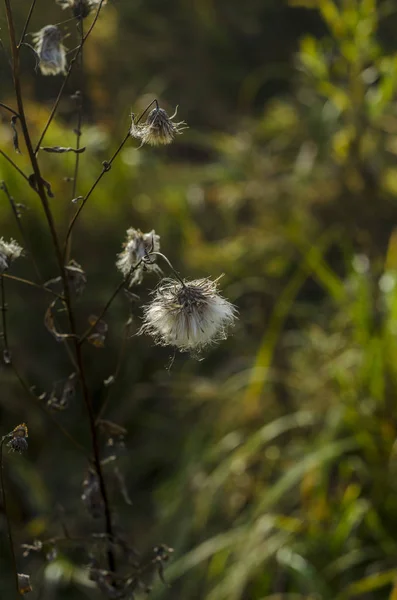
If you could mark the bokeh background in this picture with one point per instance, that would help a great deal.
(269, 465)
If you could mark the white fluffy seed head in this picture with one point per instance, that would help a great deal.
(81, 8)
(9, 251)
(50, 50)
(136, 247)
(159, 129)
(188, 316)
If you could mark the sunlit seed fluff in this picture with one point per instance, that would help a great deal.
(188, 316)
(50, 50)
(81, 8)
(9, 251)
(159, 128)
(137, 247)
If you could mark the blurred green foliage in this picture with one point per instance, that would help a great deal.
(270, 466)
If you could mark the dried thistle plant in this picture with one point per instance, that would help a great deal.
(189, 315)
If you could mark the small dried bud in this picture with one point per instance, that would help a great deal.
(81, 8)
(50, 50)
(91, 495)
(18, 442)
(76, 277)
(188, 315)
(159, 128)
(136, 248)
(24, 583)
(9, 251)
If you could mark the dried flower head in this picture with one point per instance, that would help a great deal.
(50, 50)
(159, 128)
(81, 8)
(188, 315)
(18, 442)
(137, 246)
(24, 583)
(9, 251)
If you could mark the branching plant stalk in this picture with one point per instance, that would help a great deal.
(14, 165)
(21, 228)
(9, 530)
(69, 71)
(59, 256)
(106, 167)
(25, 28)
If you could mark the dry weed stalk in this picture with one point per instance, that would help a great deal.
(185, 315)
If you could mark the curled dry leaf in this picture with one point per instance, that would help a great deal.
(62, 149)
(50, 324)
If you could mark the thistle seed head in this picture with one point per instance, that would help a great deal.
(159, 128)
(188, 315)
(9, 251)
(50, 50)
(137, 246)
(80, 8)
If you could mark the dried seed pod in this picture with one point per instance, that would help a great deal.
(24, 583)
(18, 442)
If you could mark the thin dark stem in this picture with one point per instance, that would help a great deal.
(4, 317)
(33, 284)
(11, 110)
(25, 239)
(14, 165)
(60, 94)
(102, 313)
(120, 357)
(79, 100)
(59, 256)
(170, 266)
(105, 169)
(25, 28)
(97, 460)
(48, 412)
(79, 115)
(9, 530)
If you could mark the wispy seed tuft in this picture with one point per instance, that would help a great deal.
(50, 50)
(136, 248)
(159, 129)
(189, 315)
